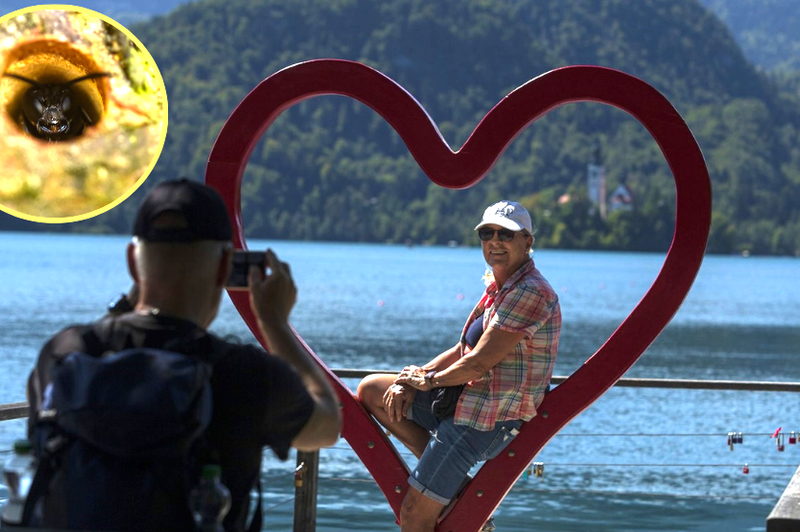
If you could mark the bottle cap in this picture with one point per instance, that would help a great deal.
(211, 471)
(22, 447)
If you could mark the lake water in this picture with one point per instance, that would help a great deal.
(638, 459)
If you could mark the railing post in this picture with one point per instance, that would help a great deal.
(306, 478)
(785, 517)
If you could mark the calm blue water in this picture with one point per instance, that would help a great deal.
(638, 459)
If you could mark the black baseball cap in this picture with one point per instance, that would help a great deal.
(201, 206)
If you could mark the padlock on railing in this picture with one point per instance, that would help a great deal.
(746, 469)
(538, 469)
(792, 438)
(735, 438)
(298, 475)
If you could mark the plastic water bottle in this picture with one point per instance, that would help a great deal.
(18, 472)
(210, 500)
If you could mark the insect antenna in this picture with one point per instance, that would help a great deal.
(88, 76)
(22, 78)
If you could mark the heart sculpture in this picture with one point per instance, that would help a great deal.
(464, 168)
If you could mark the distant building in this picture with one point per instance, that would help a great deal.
(620, 199)
(596, 183)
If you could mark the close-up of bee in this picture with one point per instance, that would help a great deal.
(83, 113)
(53, 111)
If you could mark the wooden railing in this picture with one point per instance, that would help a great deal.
(13, 411)
(785, 517)
(20, 410)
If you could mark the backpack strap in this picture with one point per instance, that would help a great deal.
(48, 465)
(103, 336)
(107, 335)
(256, 521)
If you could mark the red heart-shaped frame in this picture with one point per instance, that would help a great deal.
(252, 117)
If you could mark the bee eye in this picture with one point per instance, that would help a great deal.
(36, 101)
(66, 103)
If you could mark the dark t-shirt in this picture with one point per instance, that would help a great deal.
(258, 399)
(474, 332)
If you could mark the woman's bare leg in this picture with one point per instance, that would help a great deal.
(371, 391)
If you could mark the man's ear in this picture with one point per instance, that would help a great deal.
(225, 266)
(131, 257)
(530, 244)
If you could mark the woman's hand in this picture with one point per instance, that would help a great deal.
(396, 401)
(415, 377)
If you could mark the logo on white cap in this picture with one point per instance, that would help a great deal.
(504, 209)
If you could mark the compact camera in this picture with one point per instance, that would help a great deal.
(242, 260)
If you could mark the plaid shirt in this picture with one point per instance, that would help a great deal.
(515, 387)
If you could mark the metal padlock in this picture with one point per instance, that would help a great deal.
(746, 469)
(779, 442)
(730, 440)
(792, 438)
(739, 438)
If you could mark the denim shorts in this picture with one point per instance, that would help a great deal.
(452, 450)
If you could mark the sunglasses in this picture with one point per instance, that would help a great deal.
(487, 233)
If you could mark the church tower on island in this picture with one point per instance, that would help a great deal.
(596, 183)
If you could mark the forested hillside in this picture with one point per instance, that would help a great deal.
(767, 30)
(330, 169)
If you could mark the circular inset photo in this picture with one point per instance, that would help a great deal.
(83, 113)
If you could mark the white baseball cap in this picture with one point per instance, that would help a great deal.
(508, 214)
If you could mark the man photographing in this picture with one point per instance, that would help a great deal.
(180, 259)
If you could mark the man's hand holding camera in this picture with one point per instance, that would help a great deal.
(272, 290)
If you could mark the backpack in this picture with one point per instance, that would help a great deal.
(120, 439)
